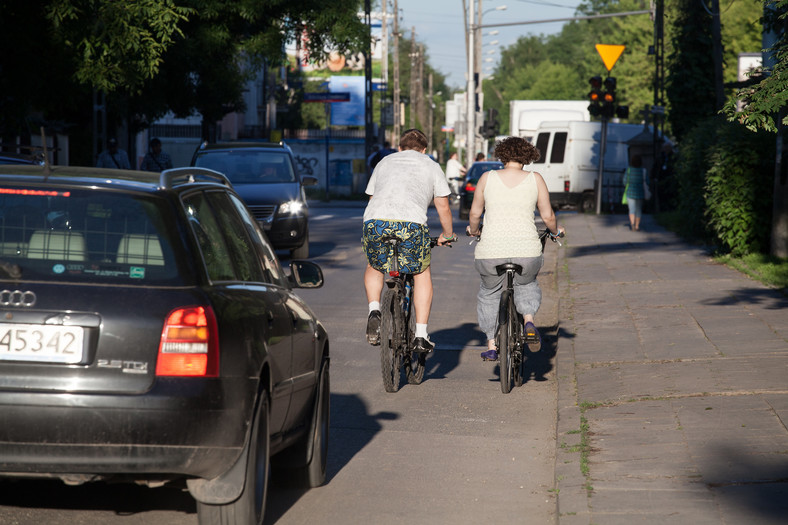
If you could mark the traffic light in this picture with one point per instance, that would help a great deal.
(609, 98)
(595, 96)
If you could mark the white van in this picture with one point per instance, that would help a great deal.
(569, 162)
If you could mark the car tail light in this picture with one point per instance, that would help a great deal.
(470, 186)
(189, 344)
(566, 185)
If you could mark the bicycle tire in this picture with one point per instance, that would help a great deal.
(518, 360)
(413, 362)
(504, 346)
(389, 342)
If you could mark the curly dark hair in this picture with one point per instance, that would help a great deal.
(516, 149)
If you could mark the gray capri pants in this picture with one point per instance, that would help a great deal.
(527, 294)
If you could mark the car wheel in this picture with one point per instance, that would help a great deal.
(303, 465)
(302, 252)
(249, 508)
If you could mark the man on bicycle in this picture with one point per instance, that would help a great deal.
(401, 188)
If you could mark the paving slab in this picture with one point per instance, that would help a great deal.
(675, 370)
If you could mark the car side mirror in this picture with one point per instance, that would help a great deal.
(308, 180)
(305, 274)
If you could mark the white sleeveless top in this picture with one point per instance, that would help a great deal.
(509, 229)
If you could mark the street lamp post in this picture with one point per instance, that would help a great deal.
(474, 69)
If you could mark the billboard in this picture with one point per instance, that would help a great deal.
(347, 113)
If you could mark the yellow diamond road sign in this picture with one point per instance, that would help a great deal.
(609, 54)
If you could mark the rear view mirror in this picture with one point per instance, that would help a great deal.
(306, 274)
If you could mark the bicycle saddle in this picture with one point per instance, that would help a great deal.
(502, 268)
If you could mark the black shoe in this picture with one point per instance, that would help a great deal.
(373, 328)
(422, 345)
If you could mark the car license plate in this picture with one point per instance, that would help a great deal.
(42, 343)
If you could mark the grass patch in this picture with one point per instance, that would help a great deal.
(772, 271)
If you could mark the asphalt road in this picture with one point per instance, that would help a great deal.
(452, 450)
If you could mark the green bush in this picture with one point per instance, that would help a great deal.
(738, 190)
(724, 173)
(690, 174)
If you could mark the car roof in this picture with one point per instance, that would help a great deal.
(110, 178)
(242, 145)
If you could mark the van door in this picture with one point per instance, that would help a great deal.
(552, 164)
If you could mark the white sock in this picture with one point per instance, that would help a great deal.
(421, 331)
(374, 305)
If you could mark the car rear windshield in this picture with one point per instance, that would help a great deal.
(79, 235)
(249, 167)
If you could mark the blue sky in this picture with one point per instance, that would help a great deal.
(439, 25)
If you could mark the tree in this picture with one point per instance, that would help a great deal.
(765, 106)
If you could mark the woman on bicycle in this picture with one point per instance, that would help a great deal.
(508, 199)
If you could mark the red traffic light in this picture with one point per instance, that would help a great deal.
(610, 84)
(596, 82)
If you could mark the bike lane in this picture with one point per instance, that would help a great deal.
(672, 382)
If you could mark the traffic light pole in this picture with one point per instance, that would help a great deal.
(602, 148)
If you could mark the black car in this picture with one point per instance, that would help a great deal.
(148, 333)
(472, 176)
(264, 175)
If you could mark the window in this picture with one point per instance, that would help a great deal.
(81, 235)
(271, 267)
(224, 241)
(541, 144)
(559, 148)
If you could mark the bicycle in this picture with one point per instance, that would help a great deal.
(509, 337)
(398, 325)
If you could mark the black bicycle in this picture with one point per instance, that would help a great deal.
(398, 325)
(509, 335)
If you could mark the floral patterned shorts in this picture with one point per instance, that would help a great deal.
(414, 248)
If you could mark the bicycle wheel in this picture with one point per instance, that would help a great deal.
(504, 342)
(413, 362)
(390, 342)
(518, 360)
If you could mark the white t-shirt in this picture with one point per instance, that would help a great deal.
(402, 187)
(453, 169)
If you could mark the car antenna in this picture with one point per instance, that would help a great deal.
(47, 169)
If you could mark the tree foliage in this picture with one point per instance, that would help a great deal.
(151, 56)
(763, 101)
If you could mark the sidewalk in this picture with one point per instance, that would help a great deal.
(673, 383)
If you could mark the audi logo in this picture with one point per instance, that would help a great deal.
(17, 298)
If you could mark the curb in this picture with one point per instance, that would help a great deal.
(572, 499)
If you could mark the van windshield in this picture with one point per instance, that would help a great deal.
(249, 167)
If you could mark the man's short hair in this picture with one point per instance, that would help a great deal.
(155, 142)
(413, 139)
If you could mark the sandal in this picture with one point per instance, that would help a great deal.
(490, 355)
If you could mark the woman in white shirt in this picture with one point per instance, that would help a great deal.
(508, 198)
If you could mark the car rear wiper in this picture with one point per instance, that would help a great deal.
(14, 271)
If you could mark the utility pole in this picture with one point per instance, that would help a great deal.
(368, 116)
(430, 110)
(413, 54)
(384, 69)
(470, 108)
(420, 87)
(395, 61)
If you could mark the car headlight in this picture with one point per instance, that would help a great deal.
(291, 208)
